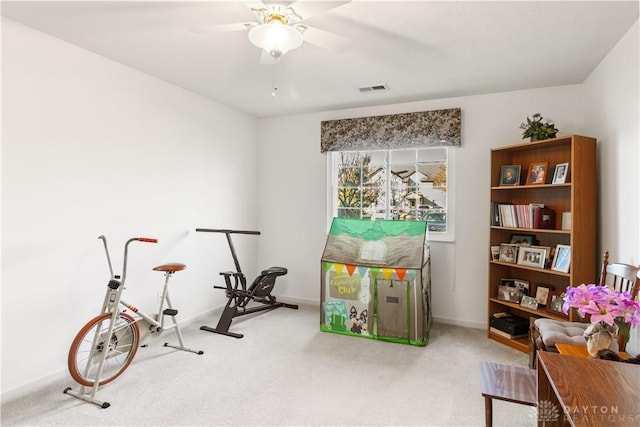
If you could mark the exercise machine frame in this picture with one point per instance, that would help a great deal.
(239, 296)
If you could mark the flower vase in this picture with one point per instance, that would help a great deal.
(600, 336)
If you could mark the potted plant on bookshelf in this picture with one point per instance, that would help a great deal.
(536, 129)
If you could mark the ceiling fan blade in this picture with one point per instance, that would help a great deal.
(310, 8)
(326, 40)
(219, 28)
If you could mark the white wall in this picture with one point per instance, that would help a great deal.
(613, 113)
(90, 147)
(294, 211)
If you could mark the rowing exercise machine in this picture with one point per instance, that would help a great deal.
(239, 296)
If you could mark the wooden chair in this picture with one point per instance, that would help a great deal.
(544, 334)
(621, 277)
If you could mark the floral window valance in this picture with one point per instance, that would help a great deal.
(409, 130)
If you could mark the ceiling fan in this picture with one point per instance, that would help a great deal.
(279, 27)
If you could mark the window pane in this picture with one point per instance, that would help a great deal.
(349, 197)
(349, 169)
(377, 158)
(432, 155)
(349, 177)
(433, 185)
(408, 185)
(349, 158)
(397, 157)
(349, 213)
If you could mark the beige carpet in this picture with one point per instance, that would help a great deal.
(285, 372)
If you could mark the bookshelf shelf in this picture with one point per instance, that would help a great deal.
(531, 230)
(525, 267)
(532, 187)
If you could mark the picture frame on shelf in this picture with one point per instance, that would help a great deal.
(537, 173)
(542, 294)
(531, 257)
(550, 256)
(560, 173)
(495, 253)
(523, 239)
(522, 286)
(508, 253)
(562, 259)
(547, 249)
(507, 291)
(555, 303)
(547, 254)
(509, 175)
(529, 302)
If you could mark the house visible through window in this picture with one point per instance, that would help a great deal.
(402, 185)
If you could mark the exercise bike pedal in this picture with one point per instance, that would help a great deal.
(170, 312)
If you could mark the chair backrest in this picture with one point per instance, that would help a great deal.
(621, 277)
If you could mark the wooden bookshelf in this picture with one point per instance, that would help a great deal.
(576, 195)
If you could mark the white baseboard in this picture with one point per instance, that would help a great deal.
(35, 385)
(457, 322)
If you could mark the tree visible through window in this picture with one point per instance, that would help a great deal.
(403, 185)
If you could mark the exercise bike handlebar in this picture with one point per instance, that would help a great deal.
(146, 239)
(227, 231)
(126, 250)
(228, 234)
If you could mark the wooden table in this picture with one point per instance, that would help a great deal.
(581, 350)
(587, 392)
(503, 382)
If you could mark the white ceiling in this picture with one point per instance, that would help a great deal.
(419, 49)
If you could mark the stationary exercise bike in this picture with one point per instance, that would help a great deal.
(239, 296)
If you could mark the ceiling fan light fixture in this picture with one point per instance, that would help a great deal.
(275, 38)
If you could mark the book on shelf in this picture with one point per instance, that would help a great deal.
(505, 334)
(521, 216)
(495, 213)
(533, 207)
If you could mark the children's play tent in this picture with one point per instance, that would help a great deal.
(376, 280)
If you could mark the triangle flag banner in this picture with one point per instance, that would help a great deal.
(362, 270)
(327, 266)
(338, 268)
(350, 269)
(374, 271)
(400, 272)
(386, 273)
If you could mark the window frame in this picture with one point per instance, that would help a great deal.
(332, 186)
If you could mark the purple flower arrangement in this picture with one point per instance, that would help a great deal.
(604, 305)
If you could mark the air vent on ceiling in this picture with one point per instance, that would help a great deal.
(373, 88)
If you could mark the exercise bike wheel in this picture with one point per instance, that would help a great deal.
(91, 342)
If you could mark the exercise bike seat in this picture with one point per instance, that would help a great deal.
(275, 271)
(170, 268)
(264, 283)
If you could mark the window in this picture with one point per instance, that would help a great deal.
(403, 185)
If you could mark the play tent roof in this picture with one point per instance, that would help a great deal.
(394, 244)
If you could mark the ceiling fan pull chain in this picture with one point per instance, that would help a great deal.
(273, 80)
